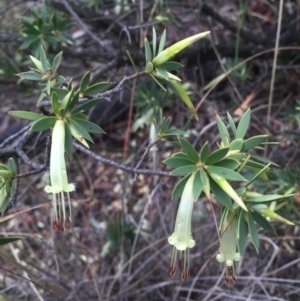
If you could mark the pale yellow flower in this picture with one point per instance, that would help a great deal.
(182, 239)
(59, 179)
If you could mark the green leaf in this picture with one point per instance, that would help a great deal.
(223, 131)
(68, 141)
(171, 66)
(149, 67)
(267, 198)
(12, 165)
(148, 53)
(236, 144)
(159, 82)
(48, 87)
(261, 173)
(30, 75)
(7, 240)
(263, 222)
(161, 74)
(43, 58)
(41, 97)
(242, 232)
(262, 159)
(89, 126)
(74, 101)
(178, 189)
(43, 124)
(86, 106)
(181, 155)
(177, 162)
(271, 214)
(217, 156)
(204, 152)
(253, 231)
(62, 112)
(26, 115)
(5, 174)
(79, 116)
(253, 142)
(162, 42)
(232, 124)
(243, 125)
(37, 63)
(61, 93)
(154, 40)
(183, 170)
(54, 103)
(183, 95)
(165, 124)
(203, 177)
(85, 81)
(56, 62)
(97, 88)
(169, 52)
(221, 196)
(253, 164)
(80, 129)
(189, 149)
(60, 80)
(197, 186)
(228, 189)
(66, 101)
(44, 11)
(225, 173)
(228, 163)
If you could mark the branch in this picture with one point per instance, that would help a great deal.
(108, 93)
(119, 165)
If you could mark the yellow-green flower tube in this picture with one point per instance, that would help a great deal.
(228, 253)
(181, 238)
(58, 176)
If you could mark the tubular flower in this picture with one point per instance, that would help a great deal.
(182, 239)
(228, 253)
(59, 178)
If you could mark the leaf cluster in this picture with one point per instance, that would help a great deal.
(45, 28)
(159, 66)
(215, 171)
(64, 102)
(7, 174)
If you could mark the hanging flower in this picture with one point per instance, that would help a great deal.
(59, 179)
(228, 253)
(182, 239)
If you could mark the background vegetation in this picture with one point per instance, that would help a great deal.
(117, 248)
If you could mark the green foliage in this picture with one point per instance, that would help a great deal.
(217, 169)
(45, 73)
(68, 108)
(7, 174)
(159, 66)
(45, 28)
(114, 239)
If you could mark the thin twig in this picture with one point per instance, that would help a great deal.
(119, 165)
(275, 62)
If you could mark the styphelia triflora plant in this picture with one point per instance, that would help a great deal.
(206, 173)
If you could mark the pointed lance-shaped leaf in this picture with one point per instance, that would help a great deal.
(228, 189)
(169, 52)
(184, 96)
(26, 115)
(56, 62)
